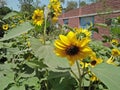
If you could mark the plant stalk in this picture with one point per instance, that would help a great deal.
(44, 34)
(80, 76)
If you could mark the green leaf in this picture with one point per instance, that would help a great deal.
(6, 77)
(20, 29)
(47, 52)
(11, 14)
(115, 29)
(36, 64)
(109, 75)
(32, 81)
(63, 83)
(101, 25)
(58, 74)
(7, 66)
(17, 88)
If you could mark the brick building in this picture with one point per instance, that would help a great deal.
(96, 13)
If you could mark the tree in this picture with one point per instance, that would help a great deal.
(94, 1)
(82, 3)
(71, 5)
(36, 3)
(63, 1)
(26, 5)
(4, 10)
(2, 3)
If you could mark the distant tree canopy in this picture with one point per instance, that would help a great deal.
(4, 10)
(2, 3)
(82, 3)
(63, 1)
(26, 5)
(71, 5)
(94, 1)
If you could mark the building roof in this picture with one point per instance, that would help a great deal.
(93, 9)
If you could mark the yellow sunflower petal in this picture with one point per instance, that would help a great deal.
(70, 34)
(85, 41)
(59, 47)
(71, 60)
(60, 53)
(64, 39)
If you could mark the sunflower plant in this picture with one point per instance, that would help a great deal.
(36, 53)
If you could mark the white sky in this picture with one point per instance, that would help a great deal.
(14, 4)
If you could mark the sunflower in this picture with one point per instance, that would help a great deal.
(95, 61)
(38, 17)
(55, 7)
(115, 52)
(83, 32)
(114, 42)
(84, 64)
(110, 60)
(54, 19)
(93, 78)
(5, 27)
(72, 48)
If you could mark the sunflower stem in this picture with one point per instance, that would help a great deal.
(80, 76)
(74, 75)
(44, 34)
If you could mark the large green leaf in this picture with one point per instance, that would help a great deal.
(11, 14)
(36, 64)
(63, 83)
(32, 81)
(6, 77)
(109, 75)
(46, 52)
(20, 29)
(17, 88)
(58, 74)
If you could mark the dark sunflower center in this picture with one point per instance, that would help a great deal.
(72, 50)
(93, 62)
(37, 17)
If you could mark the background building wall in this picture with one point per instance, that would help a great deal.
(95, 9)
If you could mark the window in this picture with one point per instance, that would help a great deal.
(85, 21)
(65, 21)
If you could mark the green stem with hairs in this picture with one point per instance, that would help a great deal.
(80, 76)
(44, 34)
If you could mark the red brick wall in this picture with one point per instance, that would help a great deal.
(74, 22)
(103, 31)
(73, 15)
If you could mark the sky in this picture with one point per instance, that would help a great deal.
(14, 4)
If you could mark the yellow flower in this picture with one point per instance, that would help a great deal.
(93, 78)
(95, 61)
(21, 21)
(72, 48)
(115, 52)
(5, 27)
(53, 0)
(55, 7)
(38, 17)
(28, 44)
(54, 19)
(84, 64)
(13, 25)
(111, 60)
(114, 42)
(83, 32)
